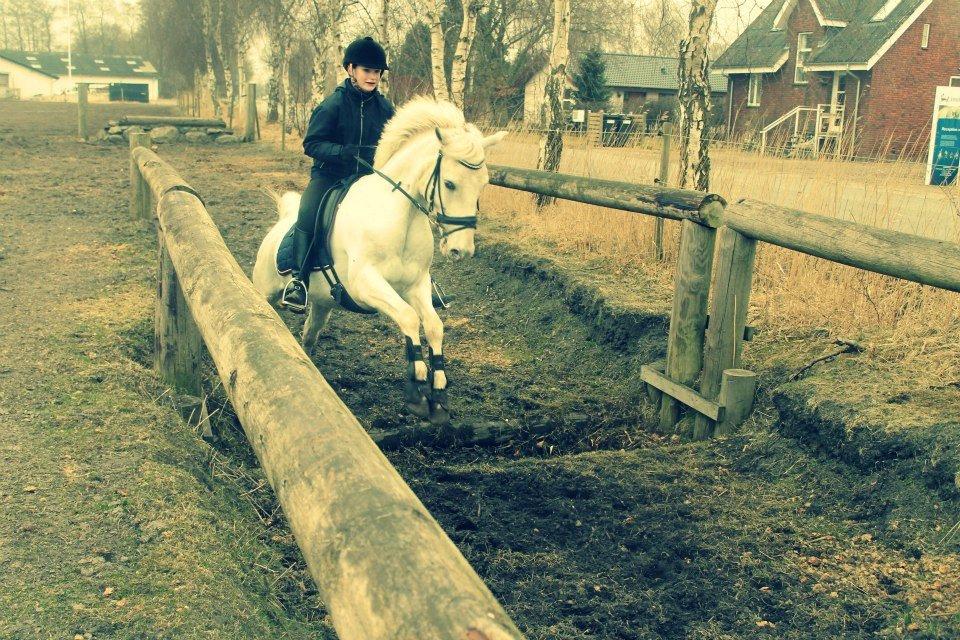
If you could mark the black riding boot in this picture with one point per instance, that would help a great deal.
(294, 295)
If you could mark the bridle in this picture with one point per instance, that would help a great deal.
(432, 196)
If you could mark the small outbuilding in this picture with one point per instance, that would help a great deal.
(30, 74)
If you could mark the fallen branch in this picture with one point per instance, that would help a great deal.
(846, 346)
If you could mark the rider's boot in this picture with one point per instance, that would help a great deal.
(440, 299)
(294, 297)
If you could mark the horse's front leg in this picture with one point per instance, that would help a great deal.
(370, 288)
(420, 298)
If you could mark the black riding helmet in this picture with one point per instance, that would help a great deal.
(365, 52)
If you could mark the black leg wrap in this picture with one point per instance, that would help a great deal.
(413, 389)
(439, 403)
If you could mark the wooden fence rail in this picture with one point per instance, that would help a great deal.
(708, 346)
(384, 566)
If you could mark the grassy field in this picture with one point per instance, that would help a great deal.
(121, 523)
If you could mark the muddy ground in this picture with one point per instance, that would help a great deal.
(119, 522)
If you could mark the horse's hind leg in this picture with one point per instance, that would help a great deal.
(317, 314)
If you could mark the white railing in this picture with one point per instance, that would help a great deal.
(793, 113)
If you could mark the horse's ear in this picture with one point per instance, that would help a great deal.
(439, 137)
(494, 139)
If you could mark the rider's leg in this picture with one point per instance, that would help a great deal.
(295, 293)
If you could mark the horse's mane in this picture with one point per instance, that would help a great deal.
(420, 114)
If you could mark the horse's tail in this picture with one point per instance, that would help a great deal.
(288, 203)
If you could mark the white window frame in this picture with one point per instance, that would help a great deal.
(925, 38)
(799, 73)
(754, 89)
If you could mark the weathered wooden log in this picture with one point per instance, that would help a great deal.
(655, 200)
(173, 121)
(689, 316)
(176, 339)
(738, 389)
(82, 108)
(159, 175)
(732, 280)
(902, 255)
(681, 392)
(384, 566)
(140, 196)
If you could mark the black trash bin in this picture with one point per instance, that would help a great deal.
(617, 128)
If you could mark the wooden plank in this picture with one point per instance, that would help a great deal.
(173, 121)
(902, 255)
(682, 393)
(655, 200)
(733, 278)
(384, 567)
(689, 316)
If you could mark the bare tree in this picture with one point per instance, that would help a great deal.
(660, 28)
(694, 98)
(458, 70)
(437, 49)
(551, 144)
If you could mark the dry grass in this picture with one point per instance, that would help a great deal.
(908, 324)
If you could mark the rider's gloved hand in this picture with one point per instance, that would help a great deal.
(349, 152)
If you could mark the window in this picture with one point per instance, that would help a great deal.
(803, 52)
(753, 90)
(925, 40)
(955, 81)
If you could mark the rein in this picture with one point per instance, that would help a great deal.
(436, 195)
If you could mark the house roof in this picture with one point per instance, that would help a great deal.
(857, 45)
(629, 71)
(54, 64)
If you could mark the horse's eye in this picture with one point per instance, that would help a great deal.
(449, 185)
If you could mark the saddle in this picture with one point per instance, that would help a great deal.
(320, 254)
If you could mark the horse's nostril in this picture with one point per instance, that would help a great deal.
(455, 253)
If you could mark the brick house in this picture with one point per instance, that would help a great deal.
(850, 76)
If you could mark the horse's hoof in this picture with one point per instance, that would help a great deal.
(420, 409)
(439, 415)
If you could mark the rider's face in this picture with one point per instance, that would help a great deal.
(364, 78)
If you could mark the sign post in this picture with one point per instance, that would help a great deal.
(944, 158)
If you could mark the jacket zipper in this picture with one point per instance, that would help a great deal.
(360, 142)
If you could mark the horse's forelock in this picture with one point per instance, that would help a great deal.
(464, 143)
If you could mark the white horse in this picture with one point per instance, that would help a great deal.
(382, 241)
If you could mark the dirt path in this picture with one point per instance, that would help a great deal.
(600, 530)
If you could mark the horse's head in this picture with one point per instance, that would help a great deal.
(459, 177)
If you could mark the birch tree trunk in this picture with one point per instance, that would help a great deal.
(458, 71)
(551, 144)
(335, 72)
(275, 85)
(694, 98)
(434, 11)
(385, 41)
(209, 50)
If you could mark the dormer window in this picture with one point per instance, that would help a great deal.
(885, 10)
(803, 52)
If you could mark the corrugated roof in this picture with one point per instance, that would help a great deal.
(855, 44)
(630, 71)
(55, 64)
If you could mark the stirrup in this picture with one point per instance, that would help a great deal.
(440, 299)
(294, 285)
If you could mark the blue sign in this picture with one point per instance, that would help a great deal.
(944, 159)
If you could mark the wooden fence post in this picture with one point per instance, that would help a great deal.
(728, 317)
(177, 342)
(737, 390)
(140, 196)
(689, 316)
(663, 180)
(82, 89)
(250, 130)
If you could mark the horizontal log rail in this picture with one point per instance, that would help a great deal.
(384, 567)
(173, 121)
(654, 200)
